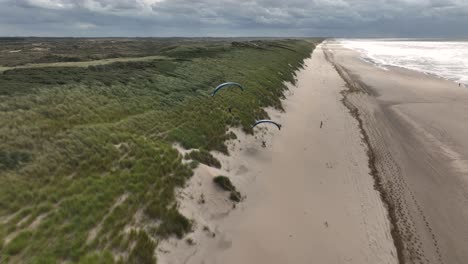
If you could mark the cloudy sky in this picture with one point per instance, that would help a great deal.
(338, 18)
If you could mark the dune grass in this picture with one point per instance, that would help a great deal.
(75, 140)
(22, 51)
(225, 184)
(203, 156)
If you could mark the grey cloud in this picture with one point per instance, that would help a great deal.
(347, 18)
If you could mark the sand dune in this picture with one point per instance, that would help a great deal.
(310, 197)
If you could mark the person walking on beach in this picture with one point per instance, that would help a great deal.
(321, 124)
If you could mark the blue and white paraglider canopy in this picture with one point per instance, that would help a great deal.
(224, 85)
(268, 122)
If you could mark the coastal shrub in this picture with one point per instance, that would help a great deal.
(155, 210)
(143, 252)
(98, 258)
(174, 224)
(235, 196)
(11, 160)
(60, 50)
(194, 164)
(18, 243)
(225, 183)
(204, 157)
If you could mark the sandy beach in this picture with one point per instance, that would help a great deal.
(310, 197)
(234, 132)
(384, 180)
(416, 127)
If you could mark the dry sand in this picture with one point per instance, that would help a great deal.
(310, 197)
(417, 127)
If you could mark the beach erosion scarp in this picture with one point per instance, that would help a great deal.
(308, 196)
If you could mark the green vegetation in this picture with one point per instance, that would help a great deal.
(21, 51)
(18, 243)
(13, 159)
(83, 63)
(235, 196)
(204, 157)
(87, 164)
(143, 252)
(97, 258)
(224, 183)
(174, 223)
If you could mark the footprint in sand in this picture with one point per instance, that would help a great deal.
(242, 169)
(224, 243)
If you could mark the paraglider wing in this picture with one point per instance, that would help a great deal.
(267, 121)
(224, 85)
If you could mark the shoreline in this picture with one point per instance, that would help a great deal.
(404, 112)
(326, 200)
(353, 86)
(389, 66)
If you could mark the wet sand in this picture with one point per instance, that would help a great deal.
(310, 195)
(417, 127)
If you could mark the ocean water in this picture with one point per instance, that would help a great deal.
(446, 59)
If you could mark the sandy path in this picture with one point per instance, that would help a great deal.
(310, 198)
(417, 127)
(83, 63)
